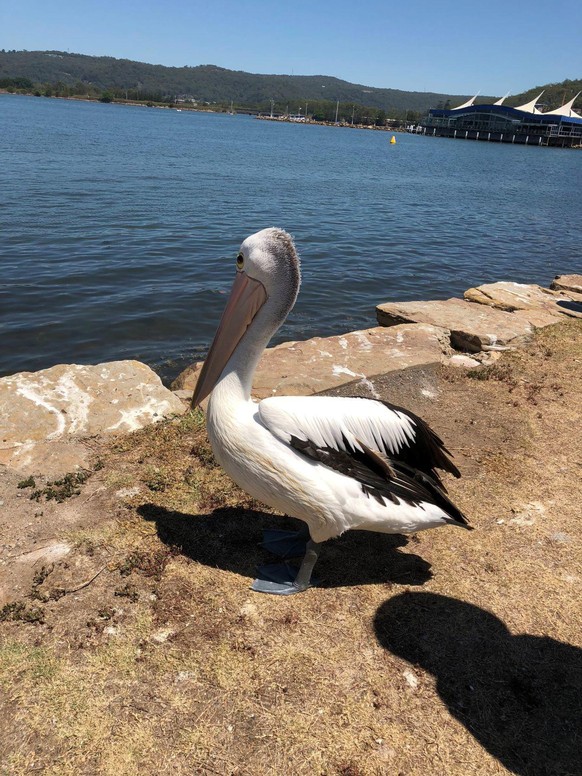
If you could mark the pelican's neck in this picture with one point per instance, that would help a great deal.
(236, 381)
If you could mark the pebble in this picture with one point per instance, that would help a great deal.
(183, 676)
(464, 361)
(411, 679)
(162, 635)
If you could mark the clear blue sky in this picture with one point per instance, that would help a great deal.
(423, 45)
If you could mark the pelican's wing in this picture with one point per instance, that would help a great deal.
(369, 441)
(385, 479)
(348, 424)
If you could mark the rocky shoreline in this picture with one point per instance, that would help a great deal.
(51, 415)
(465, 332)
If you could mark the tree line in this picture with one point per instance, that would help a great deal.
(315, 110)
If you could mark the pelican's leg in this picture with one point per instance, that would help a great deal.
(282, 579)
(303, 578)
(286, 544)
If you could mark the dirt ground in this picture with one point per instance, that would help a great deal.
(130, 642)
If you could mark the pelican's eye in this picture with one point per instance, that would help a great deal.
(240, 261)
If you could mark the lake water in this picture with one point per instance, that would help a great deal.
(119, 225)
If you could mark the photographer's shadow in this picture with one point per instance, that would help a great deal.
(520, 696)
(229, 538)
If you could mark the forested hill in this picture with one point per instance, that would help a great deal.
(554, 95)
(206, 83)
(82, 74)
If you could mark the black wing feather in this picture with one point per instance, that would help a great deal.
(382, 477)
(427, 452)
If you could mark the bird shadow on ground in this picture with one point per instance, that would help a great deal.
(519, 696)
(229, 538)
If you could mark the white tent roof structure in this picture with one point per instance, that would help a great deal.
(566, 109)
(530, 107)
(467, 104)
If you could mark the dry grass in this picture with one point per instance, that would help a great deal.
(447, 653)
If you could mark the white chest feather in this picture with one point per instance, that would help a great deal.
(266, 468)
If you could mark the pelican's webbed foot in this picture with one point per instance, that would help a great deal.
(286, 544)
(281, 579)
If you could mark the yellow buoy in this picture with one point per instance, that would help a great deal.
(393, 139)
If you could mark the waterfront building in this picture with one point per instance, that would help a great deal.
(525, 124)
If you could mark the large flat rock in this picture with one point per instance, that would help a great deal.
(310, 366)
(472, 327)
(510, 297)
(45, 414)
(567, 283)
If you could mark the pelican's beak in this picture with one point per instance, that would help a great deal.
(246, 299)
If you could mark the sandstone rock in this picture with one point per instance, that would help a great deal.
(66, 402)
(519, 296)
(488, 359)
(472, 327)
(302, 368)
(185, 397)
(466, 362)
(510, 296)
(567, 283)
(538, 318)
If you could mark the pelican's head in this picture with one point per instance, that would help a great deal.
(267, 281)
(269, 257)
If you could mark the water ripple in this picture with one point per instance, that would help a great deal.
(120, 225)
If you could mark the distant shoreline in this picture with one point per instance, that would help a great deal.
(191, 109)
(116, 101)
(288, 120)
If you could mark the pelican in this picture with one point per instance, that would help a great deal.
(335, 463)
